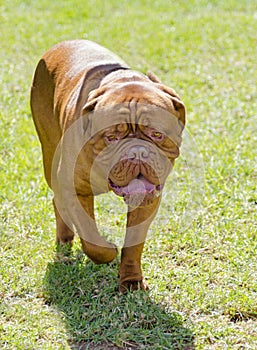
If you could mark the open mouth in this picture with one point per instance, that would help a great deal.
(137, 190)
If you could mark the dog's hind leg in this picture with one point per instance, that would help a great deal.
(42, 107)
(64, 234)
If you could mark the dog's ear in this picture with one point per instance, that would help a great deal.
(153, 77)
(176, 101)
(93, 97)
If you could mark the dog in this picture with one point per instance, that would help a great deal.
(104, 127)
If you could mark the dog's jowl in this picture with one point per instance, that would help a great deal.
(104, 127)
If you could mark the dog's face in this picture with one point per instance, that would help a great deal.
(135, 137)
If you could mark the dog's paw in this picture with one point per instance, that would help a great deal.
(130, 286)
(98, 254)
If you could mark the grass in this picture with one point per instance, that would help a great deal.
(200, 258)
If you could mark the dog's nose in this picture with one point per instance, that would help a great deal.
(138, 152)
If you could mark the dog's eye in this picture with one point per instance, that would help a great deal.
(157, 135)
(111, 138)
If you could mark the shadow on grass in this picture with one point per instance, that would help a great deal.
(98, 317)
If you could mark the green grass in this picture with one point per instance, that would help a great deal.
(200, 258)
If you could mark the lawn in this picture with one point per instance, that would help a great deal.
(200, 256)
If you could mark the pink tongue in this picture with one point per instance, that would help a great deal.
(140, 185)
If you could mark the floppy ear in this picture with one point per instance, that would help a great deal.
(93, 97)
(153, 77)
(177, 102)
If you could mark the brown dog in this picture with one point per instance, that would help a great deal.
(103, 126)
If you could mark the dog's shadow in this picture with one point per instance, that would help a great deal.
(97, 316)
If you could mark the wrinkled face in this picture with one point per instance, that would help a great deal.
(135, 145)
(141, 165)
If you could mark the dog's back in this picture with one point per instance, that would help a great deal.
(58, 85)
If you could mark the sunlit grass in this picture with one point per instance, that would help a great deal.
(200, 257)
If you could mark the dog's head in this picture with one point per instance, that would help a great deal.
(135, 131)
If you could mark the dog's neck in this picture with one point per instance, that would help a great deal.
(128, 75)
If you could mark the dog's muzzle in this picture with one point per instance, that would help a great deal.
(139, 190)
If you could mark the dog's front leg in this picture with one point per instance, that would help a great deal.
(94, 246)
(138, 222)
(79, 213)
